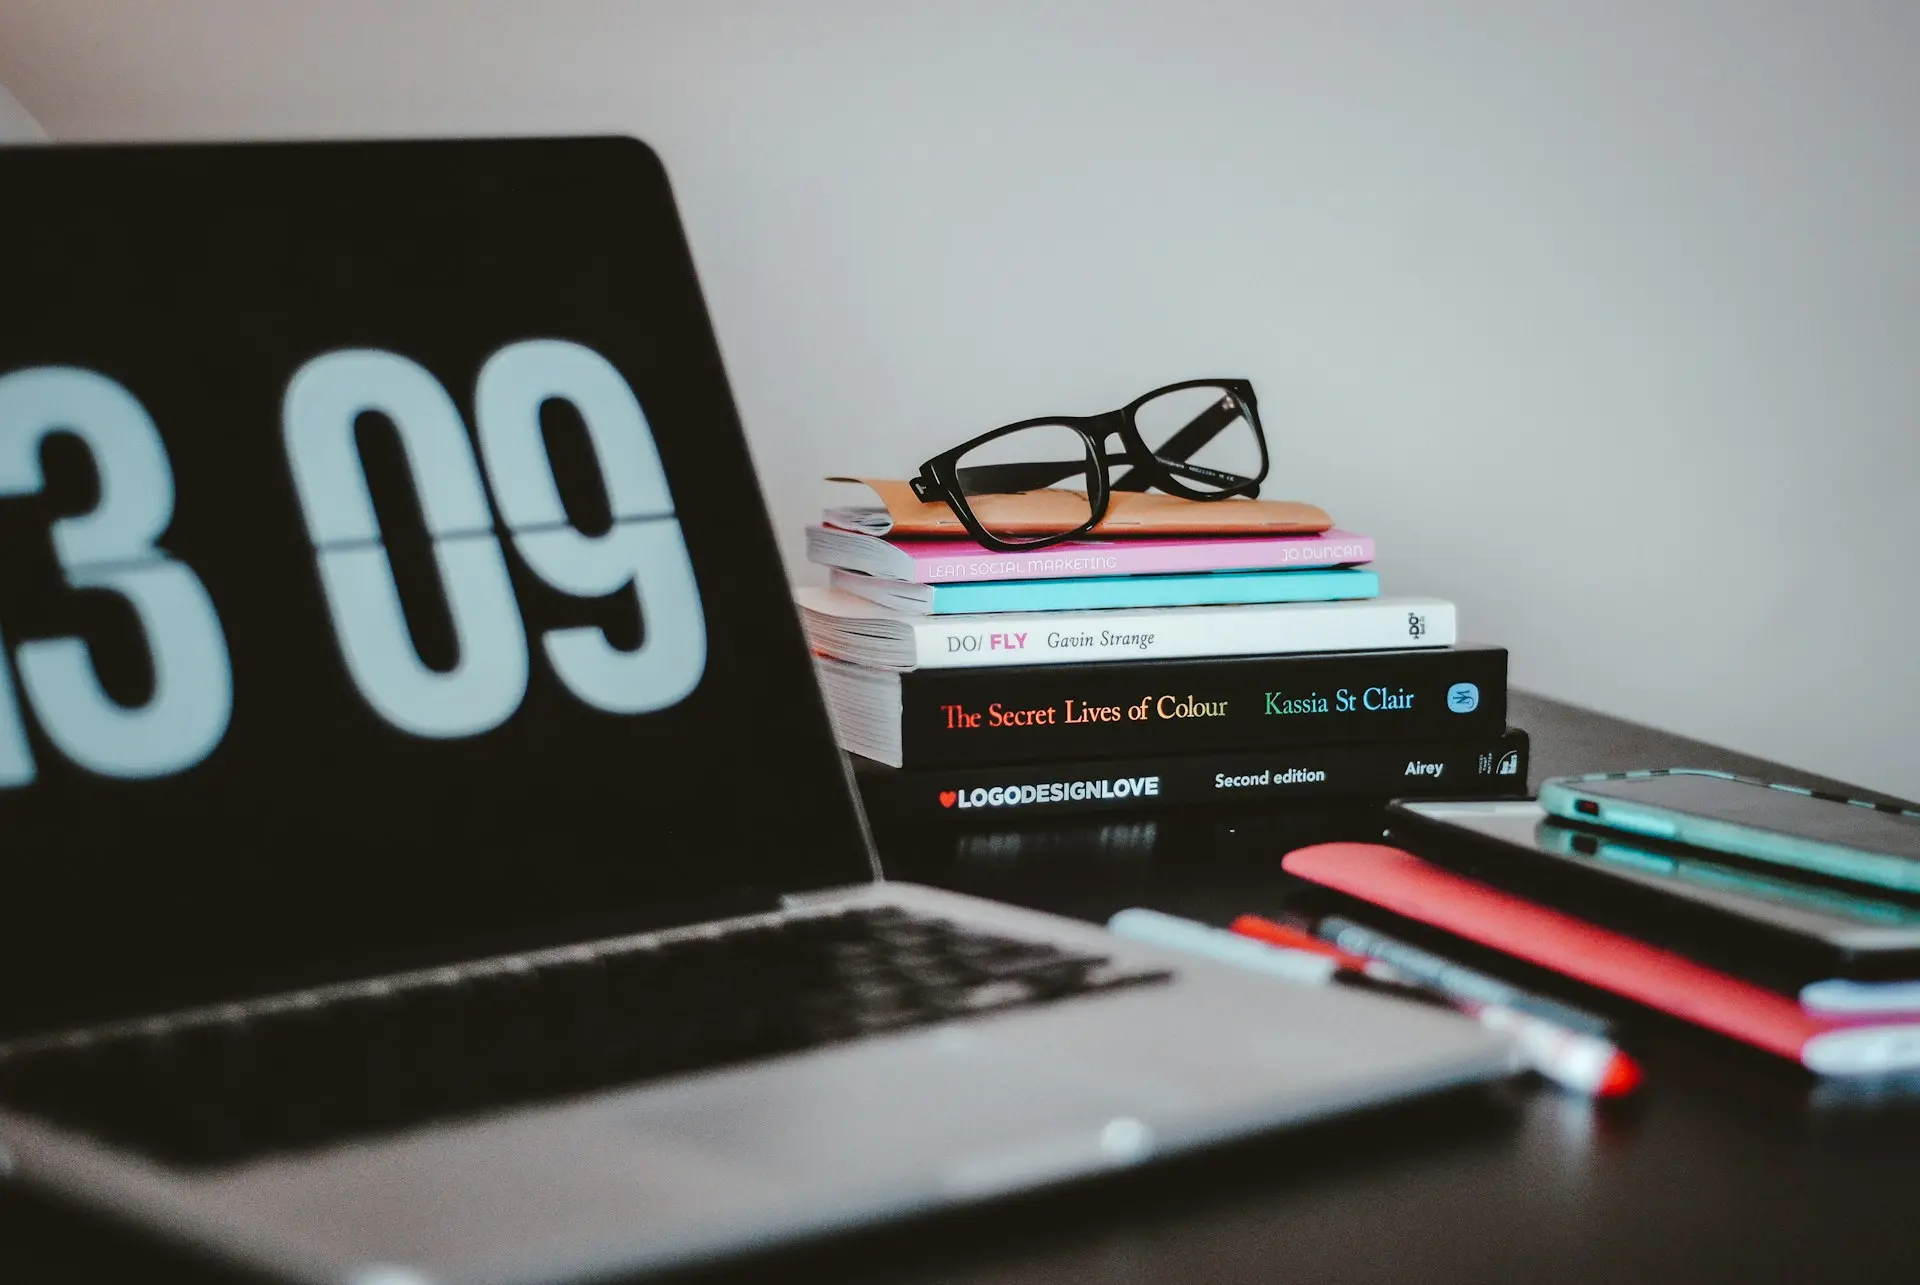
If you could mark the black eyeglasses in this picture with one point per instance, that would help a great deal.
(1200, 440)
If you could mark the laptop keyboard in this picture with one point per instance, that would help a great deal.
(298, 1072)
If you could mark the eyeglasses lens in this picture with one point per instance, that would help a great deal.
(1203, 435)
(1052, 460)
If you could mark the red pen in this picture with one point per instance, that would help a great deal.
(1276, 934)
(1576, 1060)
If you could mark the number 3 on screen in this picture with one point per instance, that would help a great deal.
(113, 547)
(644, 549)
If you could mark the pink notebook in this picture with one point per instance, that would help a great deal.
(954, 561)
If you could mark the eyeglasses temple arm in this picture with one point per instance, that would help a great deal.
(995, 479)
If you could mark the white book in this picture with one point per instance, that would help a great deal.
(848, 628)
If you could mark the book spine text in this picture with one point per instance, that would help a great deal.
(1080, 637)
(1492, 767)
(1121, 558)
(951, 717)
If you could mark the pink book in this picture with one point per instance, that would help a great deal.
(953, 561)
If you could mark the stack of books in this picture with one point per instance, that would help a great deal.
(1143, 672)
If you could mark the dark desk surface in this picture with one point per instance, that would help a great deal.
(1730, 1166)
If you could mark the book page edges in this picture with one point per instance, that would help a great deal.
(1128, 513)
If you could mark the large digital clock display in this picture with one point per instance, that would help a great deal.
(382, 573)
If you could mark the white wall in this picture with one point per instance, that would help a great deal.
(16, 125)
(1603, 317)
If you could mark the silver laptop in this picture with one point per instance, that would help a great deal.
(425, 854)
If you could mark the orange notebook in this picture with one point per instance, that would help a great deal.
(900, 512)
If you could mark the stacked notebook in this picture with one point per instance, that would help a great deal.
(1166, 667)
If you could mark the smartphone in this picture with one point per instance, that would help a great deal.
(1786, 825)
(1790, 933)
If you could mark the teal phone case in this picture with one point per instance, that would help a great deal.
(1560, 795)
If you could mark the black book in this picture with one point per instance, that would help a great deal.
(949, 717)
(1850, 945)
(1493, 766)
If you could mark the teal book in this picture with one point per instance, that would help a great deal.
(1099, 593)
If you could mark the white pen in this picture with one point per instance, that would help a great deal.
(1573, 1059)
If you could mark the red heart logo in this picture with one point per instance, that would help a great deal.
(948, 798)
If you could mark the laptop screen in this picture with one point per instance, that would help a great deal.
(383, 576)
